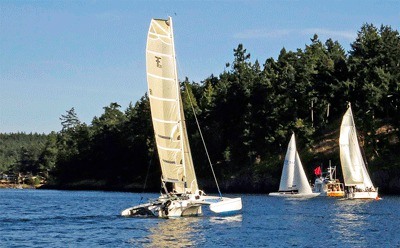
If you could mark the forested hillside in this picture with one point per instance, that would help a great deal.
(247, 114)
(22, 152)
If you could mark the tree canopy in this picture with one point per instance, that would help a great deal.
(247, 114)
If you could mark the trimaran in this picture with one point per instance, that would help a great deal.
(180, 195)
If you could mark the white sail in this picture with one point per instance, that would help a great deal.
(166, 108)
(300, 178)
(354, 170)
(294, 181)
(293, 176)
(286, 183)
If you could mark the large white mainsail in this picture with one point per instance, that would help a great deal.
(354, 170)
(166, 108)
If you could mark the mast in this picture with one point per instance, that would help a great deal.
(178, 93)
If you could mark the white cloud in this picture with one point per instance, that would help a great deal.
(321, 32)
(260, 33)
(334, 34)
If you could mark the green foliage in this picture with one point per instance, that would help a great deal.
(246, 114)
(19, 152)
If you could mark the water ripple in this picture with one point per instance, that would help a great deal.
(91, 219)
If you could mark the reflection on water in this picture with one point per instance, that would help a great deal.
(41, 218)
(226, 219)
(180, 232)
(350, 222)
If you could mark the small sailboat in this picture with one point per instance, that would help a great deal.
(294, 181)
(181, 195)
(327, 184)
(355, 174)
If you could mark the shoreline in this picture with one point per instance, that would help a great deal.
(117, 189)
(17, 186)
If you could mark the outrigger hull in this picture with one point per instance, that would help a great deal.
(189, 206)
(226, 205)
(143, 210)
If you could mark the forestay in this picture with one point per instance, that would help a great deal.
(166, 108)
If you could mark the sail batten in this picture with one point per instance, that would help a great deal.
(165, 121)
(160, 37)
(160, 54)
(159, 77)
(156, 22)
(163, 99)
(168, 149)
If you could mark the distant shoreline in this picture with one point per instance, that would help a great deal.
(120, 189)
(17, 186)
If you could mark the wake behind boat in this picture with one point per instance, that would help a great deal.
(355, 174)
(181, 195)
(294, 181)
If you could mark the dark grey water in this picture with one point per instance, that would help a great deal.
(50, 218)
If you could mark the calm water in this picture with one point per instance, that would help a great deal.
(49, 218)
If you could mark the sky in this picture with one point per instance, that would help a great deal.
(55, 55)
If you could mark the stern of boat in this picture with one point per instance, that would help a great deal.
(364, 195)
(336, 194)
(179, 208)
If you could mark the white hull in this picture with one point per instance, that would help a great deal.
(148, 209)
(165, 209)
(188, 205)
(227, 205)
(363, 195)
(180, 208)
(294, 195)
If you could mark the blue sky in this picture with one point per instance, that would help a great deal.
(55, 55)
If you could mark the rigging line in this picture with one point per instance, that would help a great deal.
(198, 127)
(204, 143)
(148, 170)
